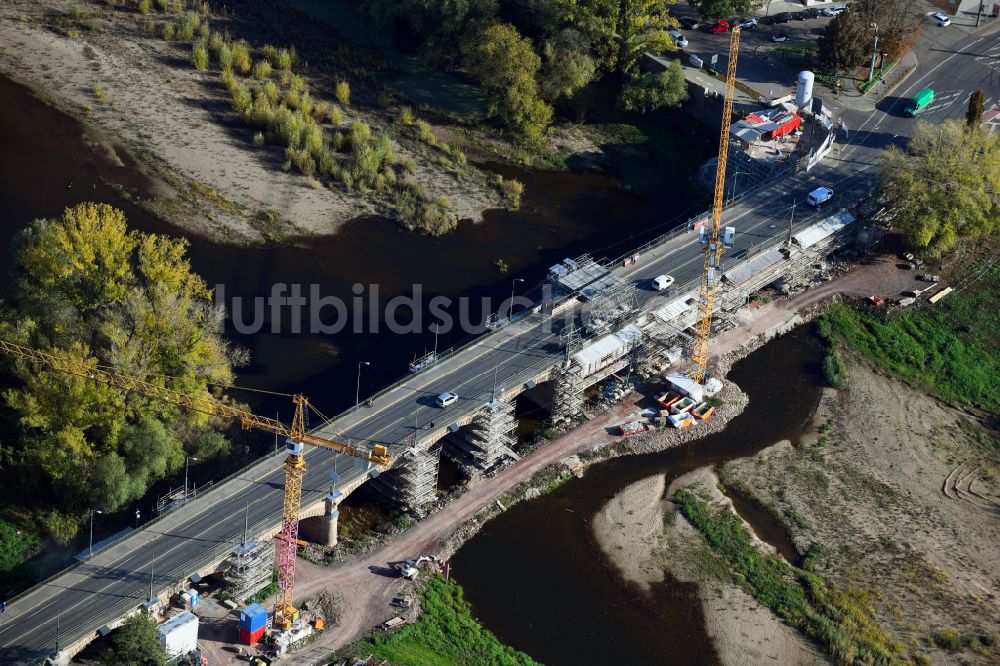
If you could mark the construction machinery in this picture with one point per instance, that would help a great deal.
(711, 275)
(295, 464)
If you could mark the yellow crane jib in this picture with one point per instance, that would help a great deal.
(711, 274)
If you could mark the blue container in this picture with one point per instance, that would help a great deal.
(253, 617)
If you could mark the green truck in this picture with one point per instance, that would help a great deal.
(919, 102)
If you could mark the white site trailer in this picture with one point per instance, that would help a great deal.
(179, 634)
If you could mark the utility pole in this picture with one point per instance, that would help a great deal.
(246, 522)
(437, 329)
(510, 308)
(151, 562)
(791, 220)
(277, 417)
(91, 549)
(871, 70)
(979, 14)
(357, 392)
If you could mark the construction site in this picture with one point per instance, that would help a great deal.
(610, 331)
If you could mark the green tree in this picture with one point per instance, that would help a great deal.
(945, 185)
(622, 30)
(719, 9)
(977, 100)
(15, 543)
(506, 65)
(135, 643)
(568, 65)
(844, 44)
(93, 292)
(655, 90)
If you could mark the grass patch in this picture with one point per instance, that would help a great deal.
(842, 621)
(446, 635)
(952, 349)
(267, 591)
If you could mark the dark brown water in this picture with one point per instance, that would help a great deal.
(48, 165)
(536, 578)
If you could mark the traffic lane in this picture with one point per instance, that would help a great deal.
(206, 530)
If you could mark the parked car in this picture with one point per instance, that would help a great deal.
(940, 18)
(719, 26)
(779, 37)
(689, 23)
(748, 23)
(446, 399)
(812, 12)
(783, 17)
(928, 277)
(819, 195)
(835, 10)
(679, 39)
(661, 282)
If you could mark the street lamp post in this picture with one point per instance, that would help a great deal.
(871, 70)
(90, 551)
(357, 391)
(510, 308)
(187, 460)
(137, 519)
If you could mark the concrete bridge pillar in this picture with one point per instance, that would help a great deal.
(323, 529)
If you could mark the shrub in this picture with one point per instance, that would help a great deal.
(326, 162)
(261, 70)
(100, 93)
(833, 369)
(228, 80)
(270, 90)
(225, 58)
(15, 545)
(188, 26)
(61, 527)
(145, 6)
(260, 113)
(169, 31)
(306, 104)
(216, 41)
(424, 132)
(312, 140)
(258, 139)
(241, 57)
(321, 111)
(161, 5)
(296, 83)
(301, 160)
(293, 99)
(360, 134)
(336, 115)
(406, 115)
(343, 92)
(241, 98)
(270, 53)
(199, 56)
(204, 31)
(512, 190)
(284, 60)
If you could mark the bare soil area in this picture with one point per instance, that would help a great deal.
(111, 68)
(903, 493)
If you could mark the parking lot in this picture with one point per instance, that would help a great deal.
(761, 65)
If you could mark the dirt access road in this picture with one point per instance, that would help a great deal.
(362, 586)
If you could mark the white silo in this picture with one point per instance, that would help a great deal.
(804, 90)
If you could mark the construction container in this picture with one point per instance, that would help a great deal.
(702, 410)
(683, 405)
(251, 637)
(253, 617)
(179, 634)
(682, 420)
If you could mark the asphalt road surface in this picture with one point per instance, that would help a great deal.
(82, 599)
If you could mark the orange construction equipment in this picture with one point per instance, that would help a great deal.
(295, 464)
(711, 274)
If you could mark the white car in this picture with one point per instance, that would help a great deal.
(748, 23)
(833, 11)
(661, 282)
(679, 39)
(819, 195)
(446, 399)
(939, 18)
(779, 37)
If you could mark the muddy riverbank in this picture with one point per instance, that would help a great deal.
(537, 578)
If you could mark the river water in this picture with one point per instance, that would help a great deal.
(536, 577)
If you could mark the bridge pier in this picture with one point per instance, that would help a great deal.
(491, 437)
(568, 399)
(414, 482)
(323, 529)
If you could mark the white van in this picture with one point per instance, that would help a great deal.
(819, 195)
(661, 282)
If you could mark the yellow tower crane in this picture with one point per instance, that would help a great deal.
(295, 463)
(711, 271)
